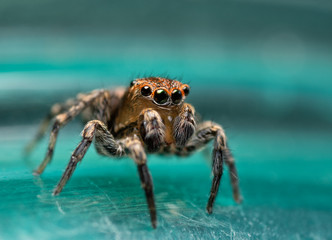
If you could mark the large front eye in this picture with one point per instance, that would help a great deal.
(146, 91)
(176, 96)
(161, 96)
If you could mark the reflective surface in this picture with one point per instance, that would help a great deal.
(286, 194)
(262, 69)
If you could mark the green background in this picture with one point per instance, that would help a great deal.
(262, 69)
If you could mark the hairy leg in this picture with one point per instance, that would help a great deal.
(229, 159)
(104, 107)
(204, 134)
(152, 129)
(135, 150)
(61, 120)
(55, 110)
(184, 125)
(105, 143)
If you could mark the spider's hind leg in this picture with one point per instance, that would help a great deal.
(229, 159)
(205, 133)
(55, 110)
(61, 120)
(105, 144)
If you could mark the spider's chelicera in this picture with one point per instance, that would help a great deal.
(148, 116)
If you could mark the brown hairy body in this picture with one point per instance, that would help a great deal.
(148, 116)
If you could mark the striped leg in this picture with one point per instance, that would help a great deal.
(229, 159)
(61, 120)
(205, 133)
(135, 150)
(105, 144)
(55, 110)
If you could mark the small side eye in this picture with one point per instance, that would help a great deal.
(176, 96)
(161, 96)
(132, 83)
(186, 90)
(146, 91)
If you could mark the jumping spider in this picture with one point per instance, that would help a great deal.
(149, 116)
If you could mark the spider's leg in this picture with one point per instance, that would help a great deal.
(61, 120)
(205, 133)
(217, 165)
(229, 159)
(135, 150)
(152, 129)
(55, 110)
(184, 125)
(105, 144)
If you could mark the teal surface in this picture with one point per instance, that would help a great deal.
(262, 69)
(285, 179)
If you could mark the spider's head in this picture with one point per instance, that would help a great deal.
(161, 91)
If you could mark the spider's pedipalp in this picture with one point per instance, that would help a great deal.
(184, 125)
(61, 120)
(135, 150)
(152, 129)
(104, 140)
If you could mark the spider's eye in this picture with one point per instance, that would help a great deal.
(161, 96)
(146, 91)
(132, 83)
(176, 96)
(186, 90)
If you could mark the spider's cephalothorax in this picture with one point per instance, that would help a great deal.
(148, 116)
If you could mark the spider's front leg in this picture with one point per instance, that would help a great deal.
(184, 125)
(152, 129)
(206, 132)
(135, 150)
(105, 144)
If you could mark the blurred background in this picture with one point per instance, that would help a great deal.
(262, 69)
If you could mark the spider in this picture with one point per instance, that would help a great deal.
(150, 116)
